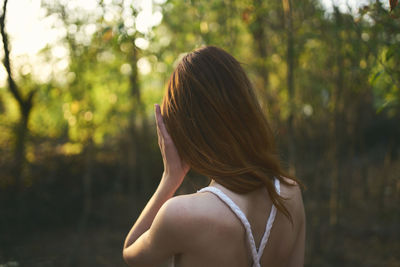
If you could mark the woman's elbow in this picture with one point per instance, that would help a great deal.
(129, 259)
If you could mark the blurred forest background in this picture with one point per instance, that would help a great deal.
(78, 150)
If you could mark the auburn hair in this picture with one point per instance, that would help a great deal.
(219, 129)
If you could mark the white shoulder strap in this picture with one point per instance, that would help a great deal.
(270, 222)
(238, 212)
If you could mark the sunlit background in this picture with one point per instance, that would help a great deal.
(31, 30)
(78, 150)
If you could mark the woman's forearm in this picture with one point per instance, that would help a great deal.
(165, 190)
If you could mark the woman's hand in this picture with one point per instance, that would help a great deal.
(175, 168)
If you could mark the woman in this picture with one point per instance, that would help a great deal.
(252, 212)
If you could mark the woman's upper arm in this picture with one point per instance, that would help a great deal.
(167, 236)
(297, 256)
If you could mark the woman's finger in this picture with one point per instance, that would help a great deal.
(159, 137)
(157, 118)
(160, 123)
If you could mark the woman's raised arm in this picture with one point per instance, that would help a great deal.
(140, 245)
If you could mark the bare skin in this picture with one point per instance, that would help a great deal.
(200, 230)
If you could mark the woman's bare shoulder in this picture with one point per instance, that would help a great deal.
(293, 198)
(185, 216)
(291, 189)
(191, 206)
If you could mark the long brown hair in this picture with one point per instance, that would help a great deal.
(213, 116)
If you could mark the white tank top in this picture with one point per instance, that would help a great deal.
(256, 254)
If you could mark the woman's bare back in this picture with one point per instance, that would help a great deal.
(216, 237)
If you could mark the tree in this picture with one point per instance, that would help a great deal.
(25, 104)
(290, 59)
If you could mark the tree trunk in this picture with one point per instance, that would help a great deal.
(72, 259)
(139, 180)
(287, 7)
(257, 29)
(336, 131)
(19, 150)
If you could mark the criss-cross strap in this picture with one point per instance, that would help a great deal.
(270, 222)
(256, 254)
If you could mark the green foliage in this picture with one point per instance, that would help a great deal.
(96, 107)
